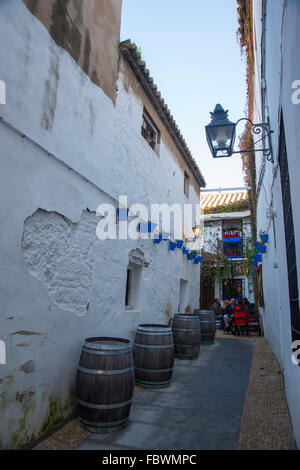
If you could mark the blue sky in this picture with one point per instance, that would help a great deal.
(194, 58)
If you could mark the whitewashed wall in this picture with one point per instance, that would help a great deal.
(282, 68)
(58, 283)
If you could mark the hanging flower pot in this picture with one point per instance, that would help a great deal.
(185, 250)
(151, 226)
(263, 249)
(232, 240)
(157, 238)
(264, 237)
(179, 243)
(258, 257)
(172, 246)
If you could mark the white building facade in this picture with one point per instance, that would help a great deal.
(227, 228)
(276, 45)
(72, 139)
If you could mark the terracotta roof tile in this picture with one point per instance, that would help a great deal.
(222, 198)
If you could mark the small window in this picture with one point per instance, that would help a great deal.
(233, 238)
(128, 287)
(186, 184)
(150, 132)
(133, 287)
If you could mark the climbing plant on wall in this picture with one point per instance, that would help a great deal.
(245, 38)
(215, 264)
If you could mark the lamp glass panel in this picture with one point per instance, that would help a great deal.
(221, 136)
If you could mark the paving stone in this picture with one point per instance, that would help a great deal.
(209, 405)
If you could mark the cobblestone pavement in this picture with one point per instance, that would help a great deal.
(266, 423)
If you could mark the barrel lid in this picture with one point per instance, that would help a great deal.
(105, 343)
(154, 327)
(200, 312)
(185, 316)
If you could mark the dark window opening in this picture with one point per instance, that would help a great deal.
(133, 287)
(233, 238)
(233, 249)
(289, 235)
(233, 288)
(128, 287)
(150, 131)
(186, 184)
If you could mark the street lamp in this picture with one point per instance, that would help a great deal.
(197, 230)
(221, 133)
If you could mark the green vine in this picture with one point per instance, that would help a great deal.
(233, 207)
(245, 38)
(215, 265)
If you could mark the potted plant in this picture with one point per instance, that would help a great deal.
(264, 237)
(185, 250)
(192, 254)
(172, 246)
(157, 238)
(179, 243)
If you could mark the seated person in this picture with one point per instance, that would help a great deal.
(241, 318)
(228, 315)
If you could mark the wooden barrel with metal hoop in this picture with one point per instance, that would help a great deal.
(153, 354)
(105, 383)
(186, 335)
(208, 325)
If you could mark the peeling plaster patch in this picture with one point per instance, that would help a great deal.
(28, 367)
(61, 254)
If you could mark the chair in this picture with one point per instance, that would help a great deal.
(254, 322)
(240, 324)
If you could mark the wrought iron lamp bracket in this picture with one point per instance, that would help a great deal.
(257, 129)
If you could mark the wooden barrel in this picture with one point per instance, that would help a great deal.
(208, 325)
(105, 383)
(186, 335)
(153, 354)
